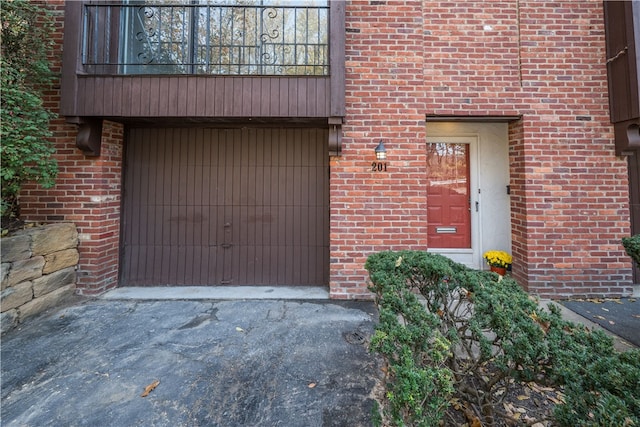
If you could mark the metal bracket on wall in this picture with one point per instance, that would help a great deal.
(89, 138)
(335, 136)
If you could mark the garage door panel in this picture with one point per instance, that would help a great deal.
(181, 266)
(217, 206)
(261, 184)
(281, 189)
(289, 263)
(187, 273)
(213, 272)
(133, 260)
(321, 176)
(305, 212)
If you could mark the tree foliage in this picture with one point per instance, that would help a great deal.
(245, 37)
(26, 153)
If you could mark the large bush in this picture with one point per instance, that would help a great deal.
(452, 334)
(26, 153)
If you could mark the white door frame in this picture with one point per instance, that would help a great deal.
(471, 256)
(489, 173)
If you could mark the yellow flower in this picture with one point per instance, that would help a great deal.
(497, 258)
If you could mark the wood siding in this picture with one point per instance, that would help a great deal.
(226, 206)
(127, 97)
(622, 28)
(202, 97)
(622, 43)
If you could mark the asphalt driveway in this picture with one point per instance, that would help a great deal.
(218, 363)
(620, 316)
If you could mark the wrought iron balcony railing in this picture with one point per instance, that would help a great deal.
(205, 39)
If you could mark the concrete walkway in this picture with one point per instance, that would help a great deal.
(237, 362)
(219, 293)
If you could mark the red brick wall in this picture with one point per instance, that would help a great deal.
(406, 60)
(87, 190)
(518, 198)
(371, 211)
(577, 190)
(544, 61)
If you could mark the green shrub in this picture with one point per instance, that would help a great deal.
(447, 331)
(410, 340)
(602, 385)
(26, 154)
(632, 247)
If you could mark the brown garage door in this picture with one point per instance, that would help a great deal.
(225, 206)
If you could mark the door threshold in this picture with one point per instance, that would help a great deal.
(218, 293)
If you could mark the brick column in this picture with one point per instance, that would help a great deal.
(375, 210)
(87, 191)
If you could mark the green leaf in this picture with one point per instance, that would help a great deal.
(26, 152)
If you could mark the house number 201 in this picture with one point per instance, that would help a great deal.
(378, 167)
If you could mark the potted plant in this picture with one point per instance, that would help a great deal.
(498, 261)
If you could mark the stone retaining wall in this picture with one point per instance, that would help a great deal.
(38, 271)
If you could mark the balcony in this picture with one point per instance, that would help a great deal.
(189, 61)
(196, 39)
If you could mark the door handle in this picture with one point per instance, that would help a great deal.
(477, 205)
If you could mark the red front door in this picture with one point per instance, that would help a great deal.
(448, 195)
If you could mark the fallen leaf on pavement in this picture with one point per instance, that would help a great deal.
(600, 317)
(554, 400)
(539, 389)
(559, 398)
(148, 389)
(312, 385)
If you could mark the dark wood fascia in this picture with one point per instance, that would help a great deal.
(337, 28)
(70, 57)
(633, 53)
(622, 32)
(87, 100)
(335, 136)
(89, 138)
(337, 61)
(635, 56)
(627, 136)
